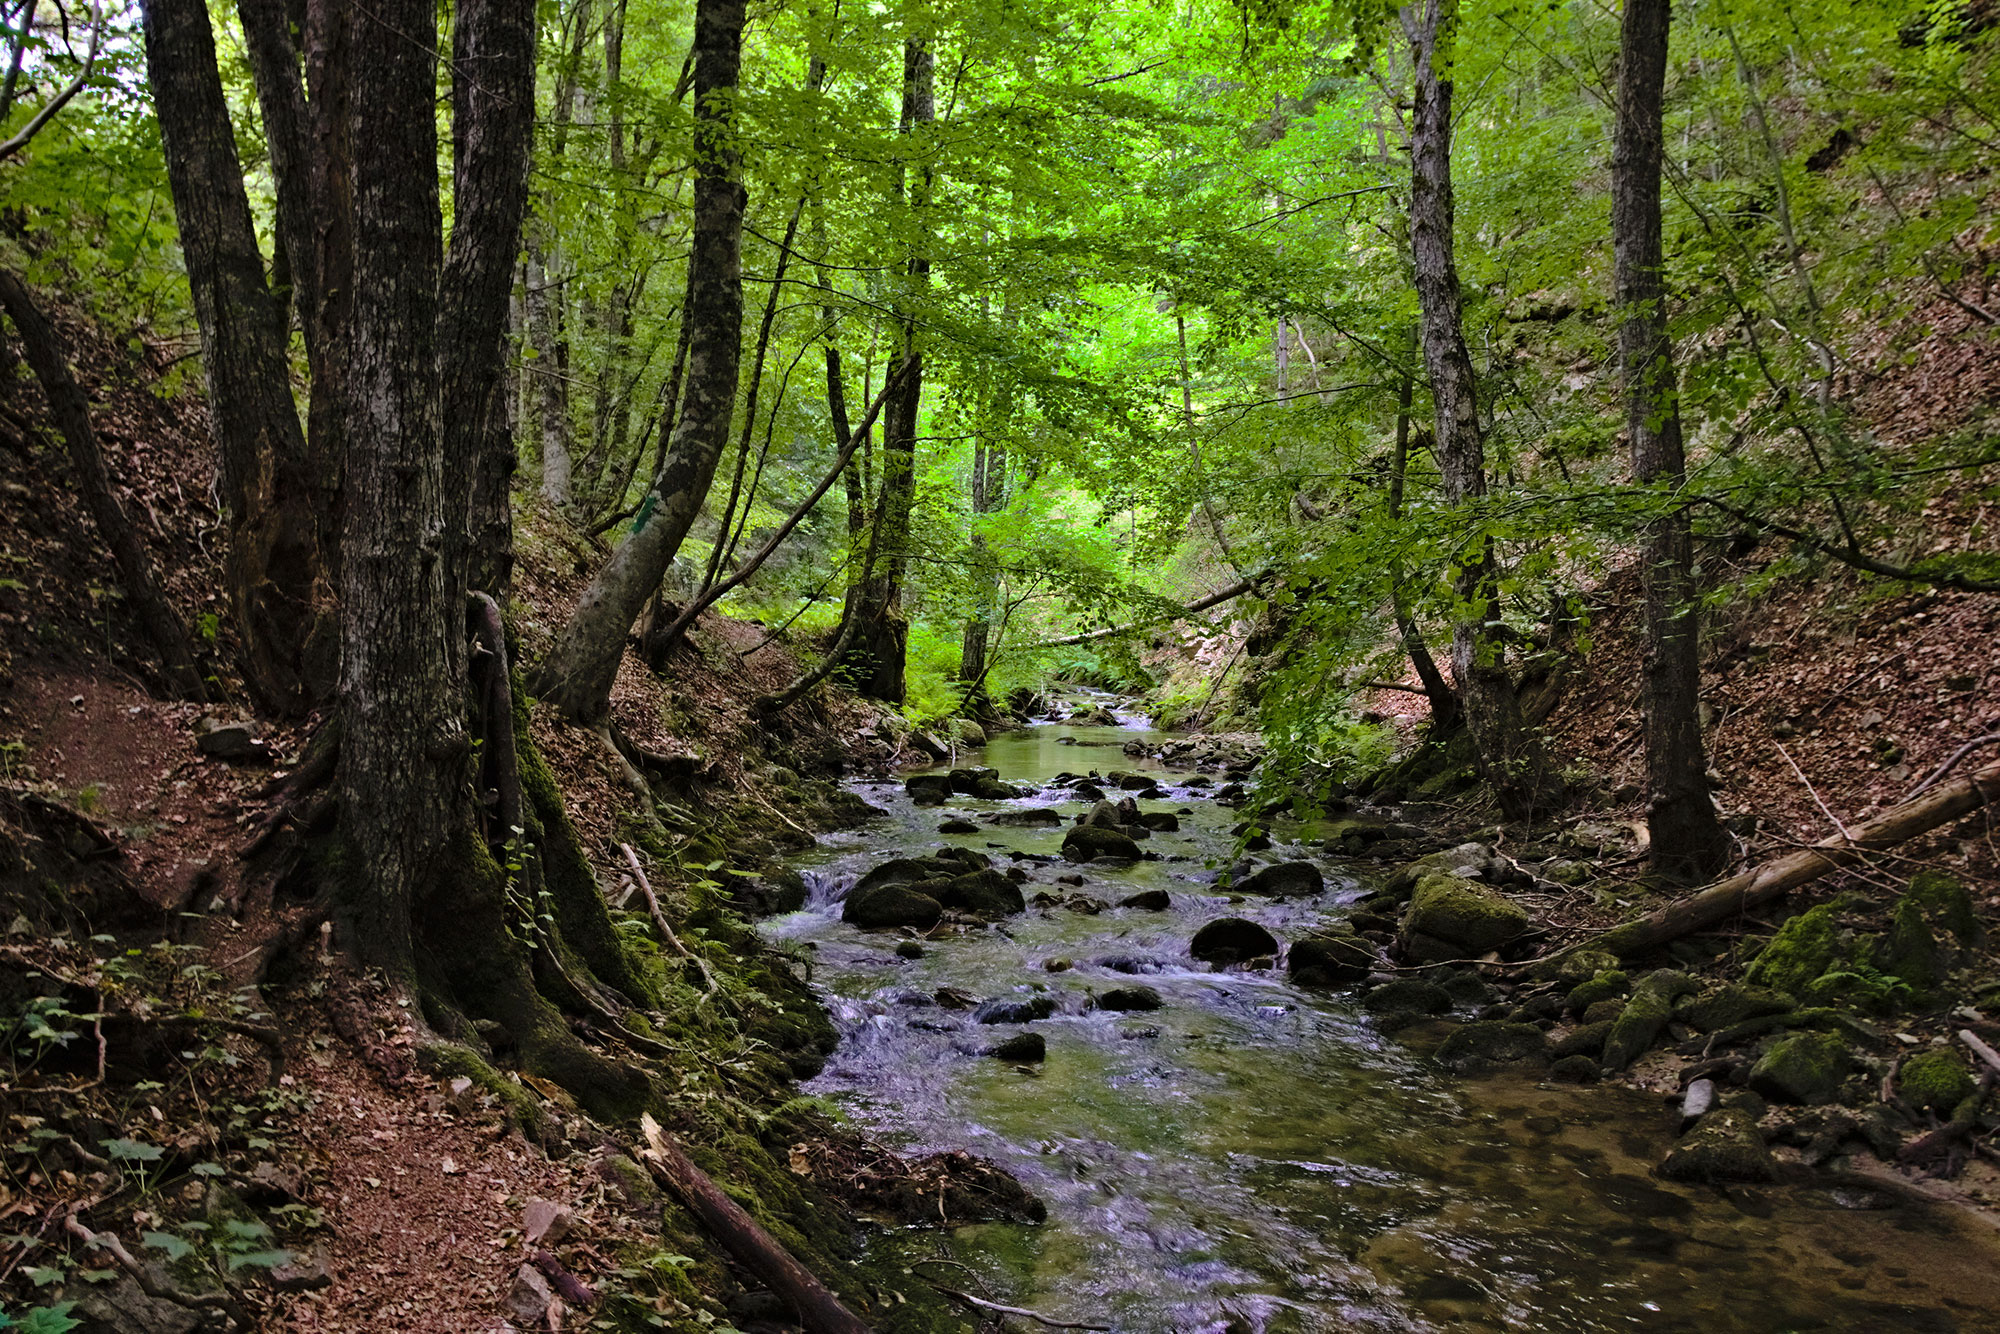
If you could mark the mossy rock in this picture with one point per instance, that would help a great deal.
(1330, 959)
(1407, 995)
(1911, 951)
(1089, 842)
(1576, 1070)
(884, 906)
(1725, 1145)
(982, 893)
(1608, 985)
(1480, 1046)
(1946, 901)
(1022, 1049)
(1801, 1068)
(1937, 1080)
(1804, 950)
(910, 871)
(1639, 1025)
(1463, 914)
(1587, 1040)
(1730, 1005)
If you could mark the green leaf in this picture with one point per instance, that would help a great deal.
(177, 1248)
(132, 1150)
(260, 1259)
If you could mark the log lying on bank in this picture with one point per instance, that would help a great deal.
(818, 1309)
(1738, 894)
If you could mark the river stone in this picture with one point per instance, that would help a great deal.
(1805, 949)
(1576, 1070)
(881, 906)
(1329, 960)
(992, 789)
(1803, 1068)
(1935, 1080)
(1485, 1043)
(927, 789)
(1089, 842)
(1025, 1048)
(1160, 822)
(1035, 817)
(1283, 880)
(1407, 995)
(1467, 917)
(1136, 782)
(1231, 940)
(1088, 791)
(1585, 1041)
(965, 731)
(959, 827)
(1725, 1145)
(1602, 1012)
(910, 871)
(1009, 1010)
(1612, 984)
(1152, 900)
(1468, 861)
(909, 949)
(1912, 951)
(1468, 988)
(1731, 1005)
(967, 779)
(985, 893)
(1130, 998)
(970, 857)
(1639, 1025)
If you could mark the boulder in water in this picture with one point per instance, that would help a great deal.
(982, 893)
(1012, 1010)
(911, 870)
(928, 789)
(883, 906)
(1023, 1048)
(1089, 842)
(1283, 880)
(1130, 998)
(959, 827)
(1452, 917)
(1035, 817)
(1482, 1045)
(1152, 900)
(1329, 960)
(1089, 791)
(1407, 995)
(1232, 940)
(1725, 1145)
(1160, 822)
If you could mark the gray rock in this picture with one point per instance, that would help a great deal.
(884, 906)
(1232, 940)
(1152, 900)
(1283, 880)
(1023, 1048)
(1035, 817)
(1089, 842)
(1008, 1010)
(1130, 998)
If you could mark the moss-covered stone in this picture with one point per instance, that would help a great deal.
(1089, 842)
(1587, 1040)
(1805, 949)
(1937, 1080)
(1407, 995)
(1730, 1005)
(1576, 1070)
(1911, 952)
(1725, 1145)
(1608, 985)
(982, 893)
(1478, 1046)
(1946, 901)
(1329, 960)
(1639, 1025)
(1465, 915)
(885, 906)
(1801, 1068)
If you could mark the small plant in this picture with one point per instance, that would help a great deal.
(54, 1319)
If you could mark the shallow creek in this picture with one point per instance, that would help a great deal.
(1255, 1157)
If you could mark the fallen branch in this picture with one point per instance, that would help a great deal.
(819, 1310)
(151, 1286)
(1021, 1311)
(1949, 764)
(1738, 894)
(1980, 1049)
(660, 919)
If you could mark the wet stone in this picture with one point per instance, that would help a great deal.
(1152, 900)
(1232, 940)
(1130, 998)
(1008, 1011)
(1023, 1048)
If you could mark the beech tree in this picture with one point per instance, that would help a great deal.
(1688, 841)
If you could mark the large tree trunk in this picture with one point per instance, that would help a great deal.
(1688, 842)
(1510, 757)
(70, 406)
(578, 674)
(877, 656)
(276, 565)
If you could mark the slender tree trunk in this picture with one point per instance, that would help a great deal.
(551, 384)
(578, 674)
(1443, 699)
(492, 120)
(1688, 842)
(1510, 756)
(70, 406)
(275, 565)
(877, 657)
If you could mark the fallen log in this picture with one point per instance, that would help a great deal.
(1738, 894)
(818, 1309)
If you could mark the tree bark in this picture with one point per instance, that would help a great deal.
(1510, 756)
(578, 674)
(275, 567)
(1443, 699)
(1688, 842)
(70, 406)
(878, 654)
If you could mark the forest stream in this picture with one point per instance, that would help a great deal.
(1253, 1156)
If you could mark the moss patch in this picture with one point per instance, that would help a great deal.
(1938, 1080)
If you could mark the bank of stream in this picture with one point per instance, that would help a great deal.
(1255, 1156)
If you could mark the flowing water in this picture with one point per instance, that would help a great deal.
(1255, 1157)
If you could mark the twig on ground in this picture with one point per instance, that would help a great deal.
(1956, 756)
(1813, 791)
(1021, 1311)
(660, 920)
(108, 1241)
